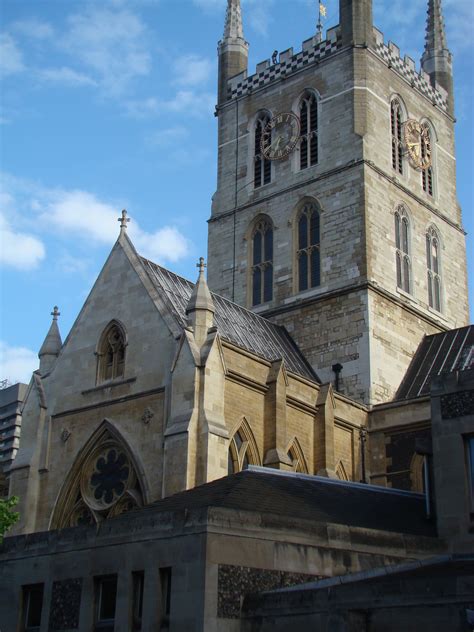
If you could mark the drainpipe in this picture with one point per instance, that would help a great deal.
(337, 368)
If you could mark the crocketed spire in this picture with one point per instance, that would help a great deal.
(233, 21)
(435, 39)
(52, 344)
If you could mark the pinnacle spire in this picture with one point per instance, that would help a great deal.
(233, 21)
(435, 38)
(200, 308)
(52, 344)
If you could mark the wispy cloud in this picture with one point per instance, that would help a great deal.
(66, 76)
(17, 363)
(18, 249)
(11, 58)
(192, 70)
(33, 28)
(195, 104)
(167, 137)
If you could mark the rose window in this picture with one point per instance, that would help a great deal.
(108, 475)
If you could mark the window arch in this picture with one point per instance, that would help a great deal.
(262, 166)
(295, 453)
(341, 472)
(427, 175)
(262, 262)
(111, 353)
(309, 122)
(308, 251)
(402, 244)
(243, 449)
(433, 266)
(396, 122)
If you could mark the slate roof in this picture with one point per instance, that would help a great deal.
(438, 354)
(301, 496)
(235, 324)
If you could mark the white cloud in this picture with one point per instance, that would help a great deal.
(66, 76)
(110, 43)
(33, 28)
(17, 363)
(11, 58)
(193, 103)
(192, 70)
(167, 137)
(19, 250)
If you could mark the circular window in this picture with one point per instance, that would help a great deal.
(107, 476)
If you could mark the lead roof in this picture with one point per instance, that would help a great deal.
(234, 323)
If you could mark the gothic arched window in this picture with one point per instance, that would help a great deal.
(396, 120)
(308, 253)
(111, 353)
(262, 166)
(296, 456)
(242, 449)
(402, 243)
(433, 269)
(427, 174)
(309, 131)
(262, 263)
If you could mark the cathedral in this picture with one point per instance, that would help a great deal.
(288, 442)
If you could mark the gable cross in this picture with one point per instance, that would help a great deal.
(123, 220)
(55, 313)
(201, 265)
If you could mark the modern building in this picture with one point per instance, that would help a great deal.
(304, 415)
(11, 399)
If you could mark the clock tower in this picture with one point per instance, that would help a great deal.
(349, 235)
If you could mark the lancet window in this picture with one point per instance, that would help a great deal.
(111, 353)
(309, 154)
(262, 263)
(396, 118)
(426, 174)
(296, 457)
(242, 449)
(262, 166)
(433, 269)
(402, 243)
(309, 242)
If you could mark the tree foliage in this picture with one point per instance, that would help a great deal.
(7, 516)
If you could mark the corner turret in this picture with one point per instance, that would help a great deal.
(437, 59)
(233, 50)
(356, 20)
(200, 309)
(51, 346)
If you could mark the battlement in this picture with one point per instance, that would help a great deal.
(406, 67)
(314, 51)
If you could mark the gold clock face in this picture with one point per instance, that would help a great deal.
(280, 136)
(418, 144)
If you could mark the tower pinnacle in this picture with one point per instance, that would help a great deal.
(436, 59)
(233, 21)
(200, 308)
(232, 49)
(52, 344)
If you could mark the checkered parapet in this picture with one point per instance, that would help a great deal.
(406, 68)
(313, 51)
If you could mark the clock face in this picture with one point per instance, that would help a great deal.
(418, 144)
(280, 136)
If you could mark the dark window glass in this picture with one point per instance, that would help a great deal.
(262, 166)
(402, 258)
(303, 232)
(315, 268)
(137, 601)
(262, 268)
(257, 248)
(470, 465)
(433, 270)
(303, 271)
(396, 129)
(106, 598)
(308, 253)
(165, 580)
(267, 283)
(32, 606)
(309, 131)
(257, 287)
(314, 228)
(399, 269)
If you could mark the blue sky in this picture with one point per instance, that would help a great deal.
(107, 104)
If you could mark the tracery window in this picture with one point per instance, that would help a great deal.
(396, 119)
(309, 154)
(111, 353)
(262, 166)
(242, 449)
(262, 263)
(296, 457)
(426, 174)
(433, 269)
(402, 255)
(308, 253)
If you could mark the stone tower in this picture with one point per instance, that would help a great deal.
(351, 236)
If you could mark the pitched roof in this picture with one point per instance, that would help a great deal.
(438, 354)
(234, 323)
(314, 498)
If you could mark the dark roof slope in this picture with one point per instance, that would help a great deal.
(438, 354)
(234, 323)
(313, 498)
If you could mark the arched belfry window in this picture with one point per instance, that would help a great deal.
(262, 166)
(427, 174)
(433, 269)
(262, 263)
(308, 252)
(111, 353)
(243, 449)
(309, 131)
(396, 120)
(402, 244)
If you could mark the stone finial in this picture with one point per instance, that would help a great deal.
(123, 219)
(233, 21)
(52, 344)
(200, 308)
